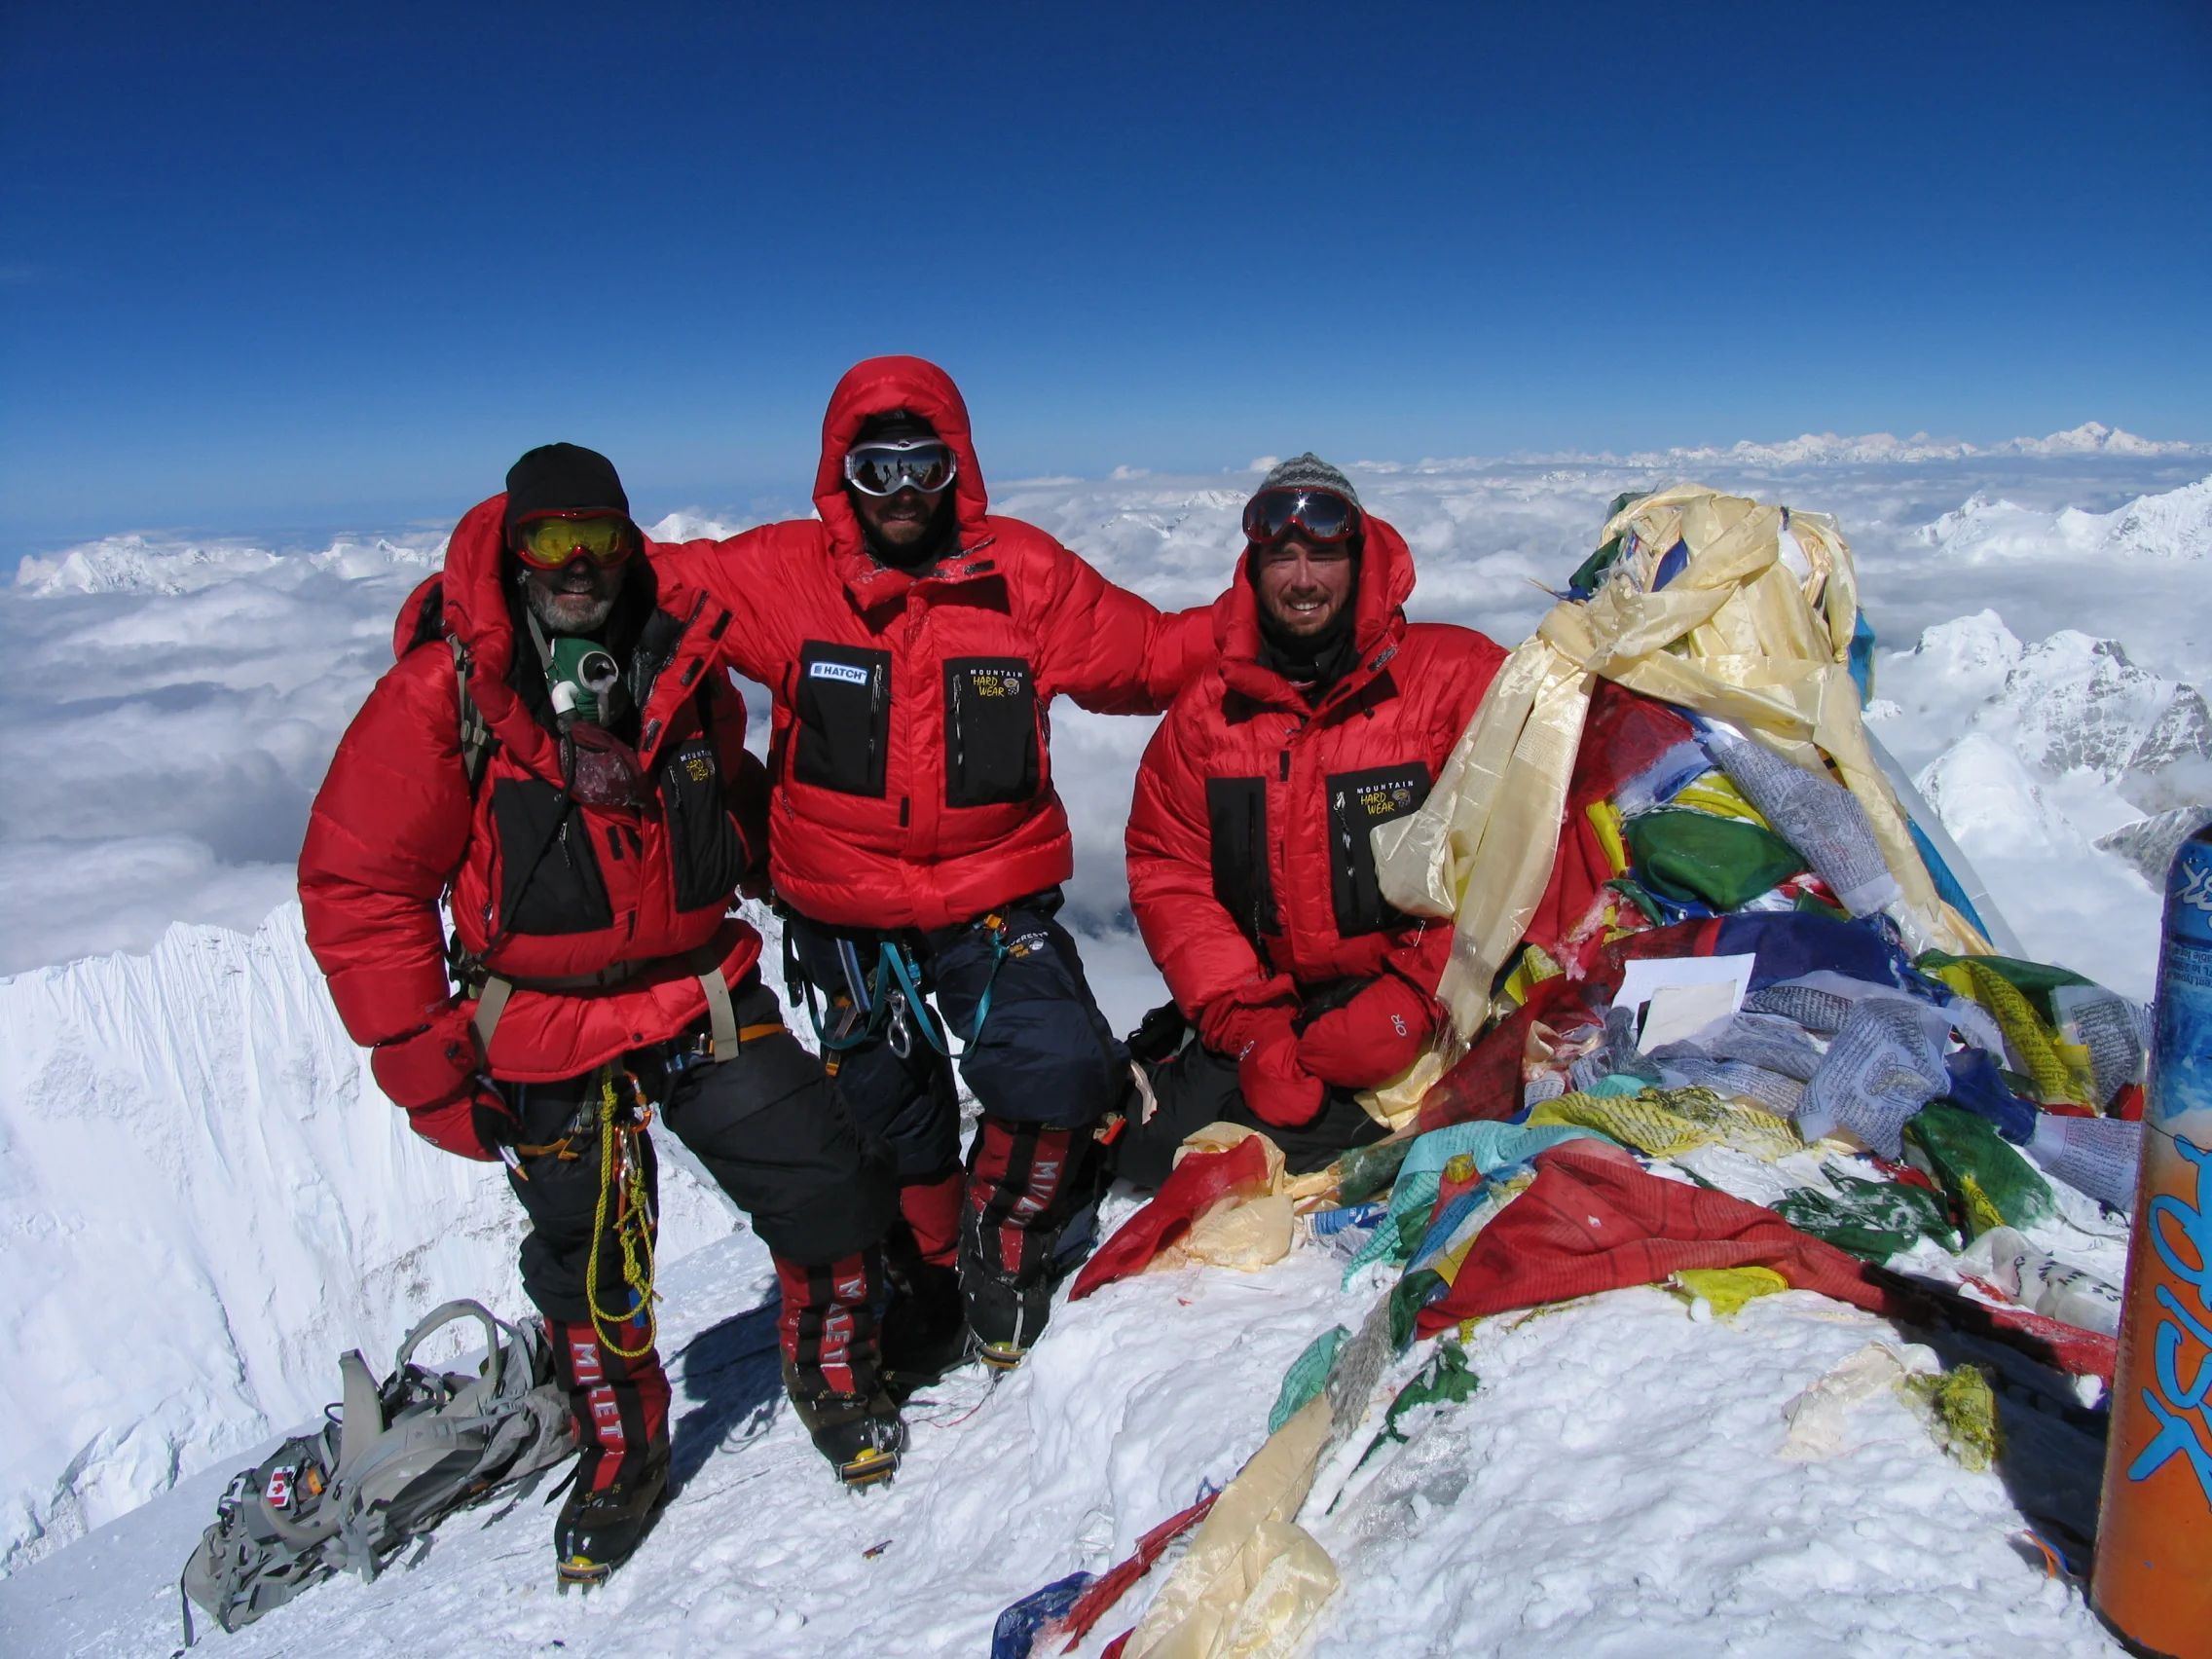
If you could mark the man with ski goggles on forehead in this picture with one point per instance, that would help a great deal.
(554, 757)
(914, 642)
(1251, 871)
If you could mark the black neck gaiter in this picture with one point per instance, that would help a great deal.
(1312, 662)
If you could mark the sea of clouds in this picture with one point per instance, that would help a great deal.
(173, 702)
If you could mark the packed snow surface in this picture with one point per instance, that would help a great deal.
(204, 1201)
(1613, 1487)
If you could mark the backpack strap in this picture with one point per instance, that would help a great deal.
(445, 1314)
(361, 1418)
(721, 1013)
(477, 737)
(491, 1003)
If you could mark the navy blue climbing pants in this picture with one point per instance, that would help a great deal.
(1045, 1057)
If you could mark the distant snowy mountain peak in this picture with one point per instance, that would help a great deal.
(2094, 437)
(2177, 525)
(1827, 449)
(131, 563)
(138, 564)
(1974, 654)
(692, 524)
(2067, 703)
(2174, 525)
(1985, 793)
(2073, 701)
(2151, 844)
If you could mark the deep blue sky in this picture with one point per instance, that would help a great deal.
(288, 264)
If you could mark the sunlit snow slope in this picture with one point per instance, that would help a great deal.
(206, 1200)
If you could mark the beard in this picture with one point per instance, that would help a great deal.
(569, 612)
(926, 549)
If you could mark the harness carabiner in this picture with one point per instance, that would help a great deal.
(907, 1004)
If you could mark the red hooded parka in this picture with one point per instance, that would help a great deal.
(912, 755)
(1248, 845)
(540, 888)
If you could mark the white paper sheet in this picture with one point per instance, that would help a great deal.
(1678, 1012)
(1646, 974)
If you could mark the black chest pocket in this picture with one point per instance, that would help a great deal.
(843, 707)
(703, 844)
(1358, 802)
(990, 731)
(549, 880)
(1236, 815)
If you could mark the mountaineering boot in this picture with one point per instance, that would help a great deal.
(832, 1366)
(860, 1433)
(1018, 1202)
(620, 1407)
(600, 1529)
(925, 1328)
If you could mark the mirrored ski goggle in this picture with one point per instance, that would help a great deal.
(551, 542)
(887, 467)
(1321, 515)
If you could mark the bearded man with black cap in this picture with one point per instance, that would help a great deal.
(554, 759)
(1251, 873)
(914, 642)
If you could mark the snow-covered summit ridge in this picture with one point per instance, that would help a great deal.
(2069, 701)
(138, 563)
(2174, 525)
(694, 524)
(2038, 759)
(1828, 449)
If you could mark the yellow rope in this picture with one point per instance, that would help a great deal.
(631, 1227)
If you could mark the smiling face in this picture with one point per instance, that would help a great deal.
(576, 599)
(1302, 587)
(902, 520)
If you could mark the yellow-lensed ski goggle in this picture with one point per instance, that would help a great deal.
(552, 540)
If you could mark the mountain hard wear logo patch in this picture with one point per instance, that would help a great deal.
(996, 683)
(1385, 799)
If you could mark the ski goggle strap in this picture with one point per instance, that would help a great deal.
(885, 466)
(1321, 515)
(551, 541)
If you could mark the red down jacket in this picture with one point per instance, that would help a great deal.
(912, 755)
(1249, 840)
(393, 830)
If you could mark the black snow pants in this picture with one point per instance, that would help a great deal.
(764, 1121)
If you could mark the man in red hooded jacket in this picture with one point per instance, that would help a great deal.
(1250, 868)
(582, 808)
(914, 642)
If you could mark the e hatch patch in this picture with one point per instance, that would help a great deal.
(842, 670)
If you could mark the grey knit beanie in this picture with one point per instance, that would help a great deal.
(1308, 471)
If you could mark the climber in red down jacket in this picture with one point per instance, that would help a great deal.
(1250, 868)
(587, 811)
(913, 644)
